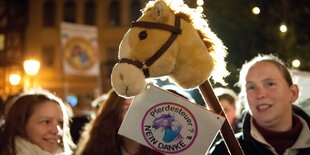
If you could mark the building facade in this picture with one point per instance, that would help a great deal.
(30, 29)
(39, 38)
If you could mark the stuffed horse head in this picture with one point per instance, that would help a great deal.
(169, 39)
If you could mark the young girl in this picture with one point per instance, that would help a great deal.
(36, 124)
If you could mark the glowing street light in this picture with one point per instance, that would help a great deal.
(296, 63)
(199, 2)
(199, 8)
(283, 28)
(31, 67)
(256, 10)
(14, 79)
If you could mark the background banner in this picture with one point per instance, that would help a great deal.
(79, 47)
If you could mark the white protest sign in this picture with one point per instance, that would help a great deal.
(170, 124)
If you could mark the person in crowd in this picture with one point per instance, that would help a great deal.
(305, 105)
(82, 113)
(178, 91)
(272, 124)
(100, 136)
(229, 101)
(81, 118)
(2, 105)
(36, 124)
(7, 104)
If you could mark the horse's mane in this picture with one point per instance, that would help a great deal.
(215, 46)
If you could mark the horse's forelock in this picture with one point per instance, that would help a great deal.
(214, 45)
(193, 17)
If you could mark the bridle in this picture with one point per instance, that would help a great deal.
(175, 31)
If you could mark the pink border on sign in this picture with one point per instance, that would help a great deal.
(169, 103)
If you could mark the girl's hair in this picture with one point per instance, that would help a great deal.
(227, 94)
(100, 136)
(19, 114)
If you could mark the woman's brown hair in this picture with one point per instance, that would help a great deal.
(101, 134)
(19, 114)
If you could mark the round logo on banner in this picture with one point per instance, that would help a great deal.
(169, 127)
(79, 53)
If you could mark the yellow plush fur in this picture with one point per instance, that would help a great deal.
(195, 54)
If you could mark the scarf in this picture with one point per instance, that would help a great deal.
(24, 147)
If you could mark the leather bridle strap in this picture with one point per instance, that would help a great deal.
(175, 31)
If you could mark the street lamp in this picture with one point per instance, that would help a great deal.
(256, 10)
(14, 79)
(296, 63)
(31, 68)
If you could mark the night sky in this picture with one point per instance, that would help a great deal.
(245, 34)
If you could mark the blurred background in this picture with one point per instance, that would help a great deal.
(33, 43)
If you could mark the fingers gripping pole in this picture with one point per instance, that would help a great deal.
(226, 130)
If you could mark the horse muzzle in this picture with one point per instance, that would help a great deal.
(127, 79)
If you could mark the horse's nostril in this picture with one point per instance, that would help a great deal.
(127, 88)
(122, 77)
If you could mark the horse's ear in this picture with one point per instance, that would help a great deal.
(161, 12)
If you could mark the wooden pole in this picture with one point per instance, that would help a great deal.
(226, 130)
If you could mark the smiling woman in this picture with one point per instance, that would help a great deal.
(272, 124)
(36, 124)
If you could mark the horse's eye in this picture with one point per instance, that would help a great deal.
(142, 35)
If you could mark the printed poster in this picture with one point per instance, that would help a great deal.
(79, 46)
(170, 124)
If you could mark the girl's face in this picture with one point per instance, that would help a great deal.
(270, 97)
(229, 109)
(44, 126)
(126, 106)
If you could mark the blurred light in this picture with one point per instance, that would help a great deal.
(256, 10)
(14, 79)
(296, 63)
(199, 9)
(199, 2)
(283, 28)
(72, 100)
(31, 67)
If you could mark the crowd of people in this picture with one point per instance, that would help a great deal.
(37, 122)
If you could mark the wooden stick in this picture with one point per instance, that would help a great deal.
(226, 130)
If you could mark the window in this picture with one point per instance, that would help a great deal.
(90, 13)
(48, 56)
(111, 60)
(135, 10)
(114, 13)
(69, 11)
(49, 13)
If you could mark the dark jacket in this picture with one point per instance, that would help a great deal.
(251, 146)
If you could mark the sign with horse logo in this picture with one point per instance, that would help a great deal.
(170, 124)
